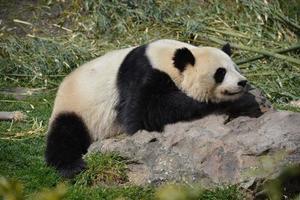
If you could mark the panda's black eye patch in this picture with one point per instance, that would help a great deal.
(219, 75)
(183, 57)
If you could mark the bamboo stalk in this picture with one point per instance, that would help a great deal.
(237, 35)
(291, 48)
(16, 116)
(22, 22)
(63, 28)
(32, 75)
(261, 74)
(284, 19)
(256, 50)
(227, 32)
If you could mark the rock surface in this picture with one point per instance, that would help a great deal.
(237, 146)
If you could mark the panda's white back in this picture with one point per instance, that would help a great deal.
(90, 91)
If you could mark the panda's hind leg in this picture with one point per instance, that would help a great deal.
(68, 139)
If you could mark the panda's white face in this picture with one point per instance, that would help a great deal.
(230, 84)
(214, 77)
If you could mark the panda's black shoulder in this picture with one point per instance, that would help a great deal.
(138, 82)
(136, 70)
(134, 66)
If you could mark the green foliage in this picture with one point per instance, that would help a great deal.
(107, 169)
(226, 193)
(185, 192)
(178, 192)
(22, 143)
(286, 185)
(13, 190)
(10, 190)
(40, 62)
(57, 193)
(86, 29)
(110, 193)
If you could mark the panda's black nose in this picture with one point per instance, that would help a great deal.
(242, 83)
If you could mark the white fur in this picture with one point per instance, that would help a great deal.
(197, 81)
(90, 91)
(161, 53)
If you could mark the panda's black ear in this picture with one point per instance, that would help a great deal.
(227, 49)
(183, 57)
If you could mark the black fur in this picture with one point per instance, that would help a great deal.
(219, 75)
(149, 99)
(183, 57)
(227, 49)
(68, 139)
(243, 83)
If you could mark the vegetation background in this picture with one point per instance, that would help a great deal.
(42, 41)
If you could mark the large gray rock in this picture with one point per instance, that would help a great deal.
(240, 144)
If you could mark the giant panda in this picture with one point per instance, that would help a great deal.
(137, 88)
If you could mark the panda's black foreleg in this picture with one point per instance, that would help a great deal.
(152, 112)
(68, 139)
(173, 107)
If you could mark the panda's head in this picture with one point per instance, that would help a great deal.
(209, 74)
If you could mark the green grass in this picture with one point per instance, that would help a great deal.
(105, 169)
(186, 192)
(22, 144)
(43, 41)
